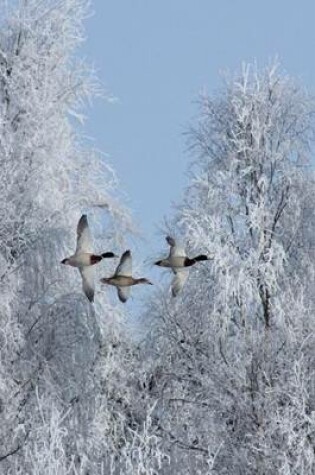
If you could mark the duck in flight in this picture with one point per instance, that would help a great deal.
(122, 278)
(84, 258)
(179, 262)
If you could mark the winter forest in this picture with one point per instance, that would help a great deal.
(223, 380)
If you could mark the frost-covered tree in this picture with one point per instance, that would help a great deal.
(236, 349)
(60, 357)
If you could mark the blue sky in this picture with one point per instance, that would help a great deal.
(155, 57)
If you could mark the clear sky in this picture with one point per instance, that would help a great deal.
(155, 56)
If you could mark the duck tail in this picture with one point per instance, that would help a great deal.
(162, 263)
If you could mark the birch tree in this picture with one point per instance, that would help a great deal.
(235, 350)
(55, 346)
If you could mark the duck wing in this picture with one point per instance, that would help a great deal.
(123, 293)
(87, 274)
(179, 280)
(84, 238)
(125, 265)
(176, 249)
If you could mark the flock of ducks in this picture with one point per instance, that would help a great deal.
(85, 259)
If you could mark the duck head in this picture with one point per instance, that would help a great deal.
(143, 280)
(107, 255)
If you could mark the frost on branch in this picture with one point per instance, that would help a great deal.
(54, 344)
(236, 349)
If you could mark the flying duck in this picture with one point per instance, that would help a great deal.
(178, 261)
(122, 278)
(84, 258)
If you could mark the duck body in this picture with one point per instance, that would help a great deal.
(122, 278)
(84, 258)
(178, 262)
(124, 281)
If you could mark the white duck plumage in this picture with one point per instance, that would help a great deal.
(178, 261)
(178, 281)
(84, 258)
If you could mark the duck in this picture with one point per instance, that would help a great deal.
(84, 259)
(122, 278)
(179, 263)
